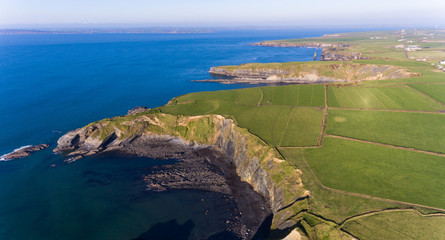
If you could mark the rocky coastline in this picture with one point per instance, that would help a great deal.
(330, 52)
(213, 154)
(264, 76)
(299, 44)
(306, 73)
(201, 168)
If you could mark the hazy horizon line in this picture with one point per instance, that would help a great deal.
(72, 26)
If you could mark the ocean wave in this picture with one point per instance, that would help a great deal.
(3, 157)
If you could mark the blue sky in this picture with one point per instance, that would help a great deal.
(223, 12)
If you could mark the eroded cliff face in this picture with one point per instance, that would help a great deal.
(331, 51)
(266, 75)
(255, 162)
(310, 73)
(300, 44)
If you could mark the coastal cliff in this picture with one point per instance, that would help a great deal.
(253, 160)
(307, 72)
(330, 52)
(283, 43)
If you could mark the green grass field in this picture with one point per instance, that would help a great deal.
(281, 121)
(397, 225)
(294, 95)
(424, 131)
(379, 171)
(329, 204)
(435, 91)
(283, 125)
(403, 98)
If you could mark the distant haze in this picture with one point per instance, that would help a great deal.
(77, 13)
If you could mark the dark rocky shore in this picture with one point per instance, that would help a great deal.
(213, 154)
(201, 168)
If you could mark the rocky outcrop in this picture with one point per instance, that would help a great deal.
(137, 110)
(299, 44)
(23, 152)
(331, 51)
(264, 75)
(333, 55)
(253, 160)
(307, 73)
(248, 73)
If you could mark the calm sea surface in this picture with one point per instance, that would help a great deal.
(50, 84)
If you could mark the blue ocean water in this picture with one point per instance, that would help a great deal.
(50, 84)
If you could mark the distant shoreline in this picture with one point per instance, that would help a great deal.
(104, 31)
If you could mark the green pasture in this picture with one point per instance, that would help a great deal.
(402, 98)
(279, 125)
(424, 131)
(379, 171)
(435, 91)
(294, 95)
(330, 204)
(397, 225)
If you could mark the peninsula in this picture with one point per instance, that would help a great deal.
(356, 154)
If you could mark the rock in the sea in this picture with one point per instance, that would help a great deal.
(24, 151)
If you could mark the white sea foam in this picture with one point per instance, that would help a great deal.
(3, 157)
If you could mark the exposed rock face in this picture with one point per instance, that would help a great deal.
(332, 55)
(137, 110)
(309, 73)
(251, 73)
(299, 44)
(331, 51)
(24, 152)
(264, 75)
(253, 160)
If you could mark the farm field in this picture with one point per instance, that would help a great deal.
(283, 125)
(398, 98)
(276, 122)
(292, 95)
(379, 171)
(435, 91)
(327, 203)
(423, 131)
(397, 225)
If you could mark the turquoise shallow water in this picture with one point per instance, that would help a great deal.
(50, 84)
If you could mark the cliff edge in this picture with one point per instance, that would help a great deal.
(254, 161)
(314, 72)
